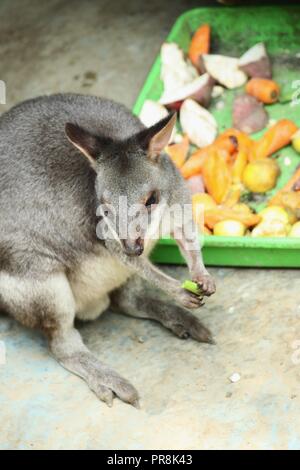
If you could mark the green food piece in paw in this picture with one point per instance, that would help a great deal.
(192, 287)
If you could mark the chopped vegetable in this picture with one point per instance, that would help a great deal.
(271, 228)
(233, 195)
(217, 91)
(194, 164)
(228, 173)
(260, 176)
(290, 200)
(193, 287)
(229, 228)
(274, 213)
(242, 207)
(206, 231)
(239, 166)
(175, 71)
(295, 230)
(217, 214)
(296, 141)
(289, 185)
(275, 222)
(152, 112)
(200, 89)
(255, 62)
(266, 91)
(200, 44)
(225, 70)
(198, 123)
(274, 139)
(216, 176)
(178, 152)
(249, 115)
(202, 202)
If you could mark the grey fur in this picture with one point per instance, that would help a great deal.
(52, 265)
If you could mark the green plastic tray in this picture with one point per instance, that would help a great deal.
(234, 30)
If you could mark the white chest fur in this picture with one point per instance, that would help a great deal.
(94, 278)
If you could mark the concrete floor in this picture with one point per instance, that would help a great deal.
(188, 401)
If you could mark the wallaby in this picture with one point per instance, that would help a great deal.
(61, 157)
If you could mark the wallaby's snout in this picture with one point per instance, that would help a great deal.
(133, 247)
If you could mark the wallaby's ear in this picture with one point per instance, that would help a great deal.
(86, 142)
(155, 138)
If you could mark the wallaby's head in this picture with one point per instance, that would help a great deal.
(133, 181)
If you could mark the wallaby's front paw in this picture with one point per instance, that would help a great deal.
(206, 283)
(117, 387)
(188, 299)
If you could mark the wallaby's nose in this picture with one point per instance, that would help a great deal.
(133, 247)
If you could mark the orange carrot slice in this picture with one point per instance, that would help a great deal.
(194, 164)
(213, 216)
(178, 152)
(200, 44)
(274, 139)
(289, 186)
(264, 90)
(216, 175)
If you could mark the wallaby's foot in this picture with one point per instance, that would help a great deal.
(49, 305)
(186, 325)
(206, 283)
(103, 381)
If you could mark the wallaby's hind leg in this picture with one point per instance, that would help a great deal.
(131, 299)
(50, 306)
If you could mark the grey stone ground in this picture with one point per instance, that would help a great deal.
(106, 48)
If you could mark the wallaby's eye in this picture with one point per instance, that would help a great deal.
(152, 199)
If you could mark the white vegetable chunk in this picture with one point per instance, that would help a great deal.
(225, 70)
(199, 89)
(255, 62)
(152, 112)
(198, 123)
(175, 70)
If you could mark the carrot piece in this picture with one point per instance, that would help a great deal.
(264, 90)
(289, 186)
(178, 152)
(287, 199)
(216, 175)
(194, 164)
(238, 166)
(233, 196)
(213, 216)
(206, 231)
(274, 138)
(242, 139)
(200, 44)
